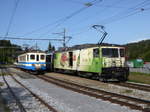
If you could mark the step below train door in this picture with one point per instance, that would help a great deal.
(70, 59)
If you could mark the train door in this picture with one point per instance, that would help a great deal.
(49, 62)
(71, 59)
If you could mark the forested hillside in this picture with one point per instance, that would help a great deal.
(139, 49)
(8, 51)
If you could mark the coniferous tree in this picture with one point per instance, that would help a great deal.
(50, 48)
(8, 51)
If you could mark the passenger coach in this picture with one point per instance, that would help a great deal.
(33, 61)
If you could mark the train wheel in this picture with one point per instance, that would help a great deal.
(102, 79)
(122, 79)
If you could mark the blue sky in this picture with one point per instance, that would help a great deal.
(32, 14)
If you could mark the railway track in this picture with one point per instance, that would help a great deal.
(134, 86)
(134, 103)
(18, 102)
(137, 86)
(22, 108)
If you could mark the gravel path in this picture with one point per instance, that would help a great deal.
(103, 86)
(28, 101)
(67, 101)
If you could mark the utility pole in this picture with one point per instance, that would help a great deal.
(64, 37)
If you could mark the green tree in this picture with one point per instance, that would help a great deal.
(50, 48)
(139, 49)
(8, 51)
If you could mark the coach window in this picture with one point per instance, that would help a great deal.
(32, 57)
(42, 57)
(96, 52)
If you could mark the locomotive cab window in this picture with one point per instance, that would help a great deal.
(42, 57)
(32, 57)
(110, 52)
(96, 52)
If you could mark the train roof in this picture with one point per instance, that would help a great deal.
(84, 46)
(32, 52)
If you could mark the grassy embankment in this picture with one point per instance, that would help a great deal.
(139, 77)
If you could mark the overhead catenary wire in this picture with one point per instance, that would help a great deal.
(17, 38)
(86, 5)
(11, 18)
(89, 17)
(1, 47)
(62, 20)
(111, 21)
(41, 27)
(105, 6)
(122, 15)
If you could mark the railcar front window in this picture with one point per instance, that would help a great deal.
(32, 57)
(110, 52)
(122, 53)
(42, 57)
(37, 57)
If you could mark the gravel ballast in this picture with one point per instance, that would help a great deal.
(29, 102)
(68, 101)
(103, 86)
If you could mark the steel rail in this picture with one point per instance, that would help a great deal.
(18, 102)
(134, 86)
(36, 96)
(101, 94)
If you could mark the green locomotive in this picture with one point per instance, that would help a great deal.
(103, 62)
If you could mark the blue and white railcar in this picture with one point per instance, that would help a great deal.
(33, 61)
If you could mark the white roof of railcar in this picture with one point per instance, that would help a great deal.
(88, 46)
(33, 52)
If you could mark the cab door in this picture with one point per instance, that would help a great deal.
(49, 62)
(70, 59)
